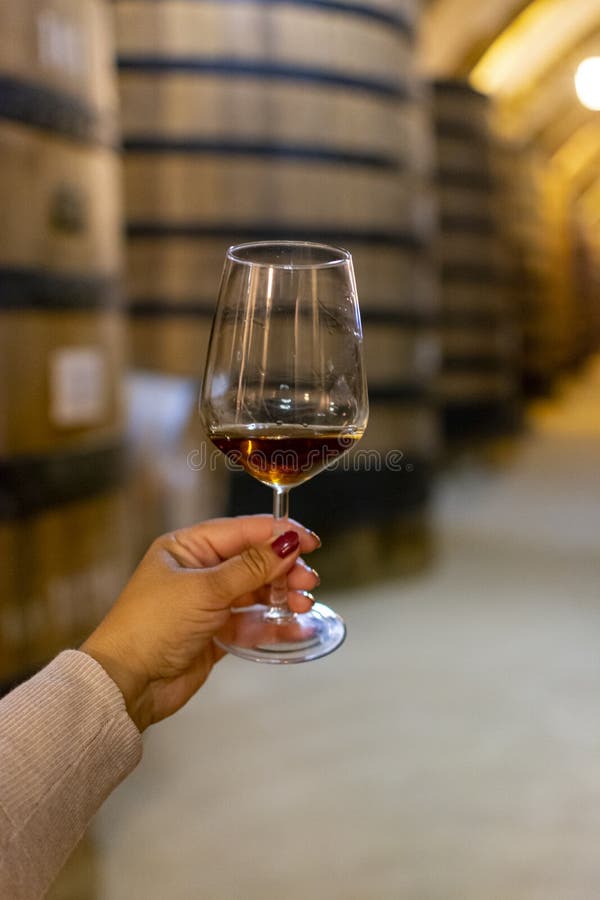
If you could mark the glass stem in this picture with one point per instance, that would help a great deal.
(279, 610)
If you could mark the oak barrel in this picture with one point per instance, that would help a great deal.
(537, 215)
(61, 327)
(478, 379)
(56, 66)
(250, 121)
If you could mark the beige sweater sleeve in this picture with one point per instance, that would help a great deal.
(66, 742)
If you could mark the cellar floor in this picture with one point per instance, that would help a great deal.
(450, 751)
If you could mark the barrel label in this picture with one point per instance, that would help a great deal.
(78, 387)
(61, 44)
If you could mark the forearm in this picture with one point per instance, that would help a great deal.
(66, 742)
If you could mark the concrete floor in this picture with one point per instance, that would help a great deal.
(451, 749)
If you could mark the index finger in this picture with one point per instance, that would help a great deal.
(218, 539)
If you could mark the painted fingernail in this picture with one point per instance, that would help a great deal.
(286, 544)
(314, 535)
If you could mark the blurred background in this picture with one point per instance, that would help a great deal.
(451, 749)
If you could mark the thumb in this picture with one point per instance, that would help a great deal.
(253, 568)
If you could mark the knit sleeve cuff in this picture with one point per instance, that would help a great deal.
(70, 717)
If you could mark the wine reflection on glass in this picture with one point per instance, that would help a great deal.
(285, 395)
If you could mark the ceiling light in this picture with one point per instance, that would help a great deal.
(587, 82)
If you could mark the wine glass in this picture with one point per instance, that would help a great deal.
(285, 395)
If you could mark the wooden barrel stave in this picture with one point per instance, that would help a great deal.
(396, 279)
(252, 112)
(479, 342)
(186, 270)
(493, 343)
(50, 408)
(477, 205)
(292, 34)
(207, 189)
(476, 388)
(477, 302)
(62, 201)
(171, 342)
(179, 270)
(471, 251)
(536, 211)
(173, 289)
(64, 516)
(78, 567)
(397, 354)
(59, 53)
(410, 427)
(464, 157)
(460, 110)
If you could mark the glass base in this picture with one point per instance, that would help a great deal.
(251, 634)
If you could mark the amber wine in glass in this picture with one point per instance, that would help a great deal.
(285, 395)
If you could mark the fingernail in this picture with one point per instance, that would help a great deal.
(286, 544)
(309, 569)
(314, 535)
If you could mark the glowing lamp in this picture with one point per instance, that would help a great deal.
(587, 82)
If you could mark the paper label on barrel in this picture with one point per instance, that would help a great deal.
(61, 43)
(78, 387)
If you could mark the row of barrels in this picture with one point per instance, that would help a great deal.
(478, 321)
(586, 244)
(540, 223)
(515, 309)
(240, 121)
(542, 333)
(62, 526)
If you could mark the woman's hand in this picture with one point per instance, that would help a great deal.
(156, 642)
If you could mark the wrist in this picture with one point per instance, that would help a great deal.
(131, 686)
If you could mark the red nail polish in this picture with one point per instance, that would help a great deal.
(286, 544)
